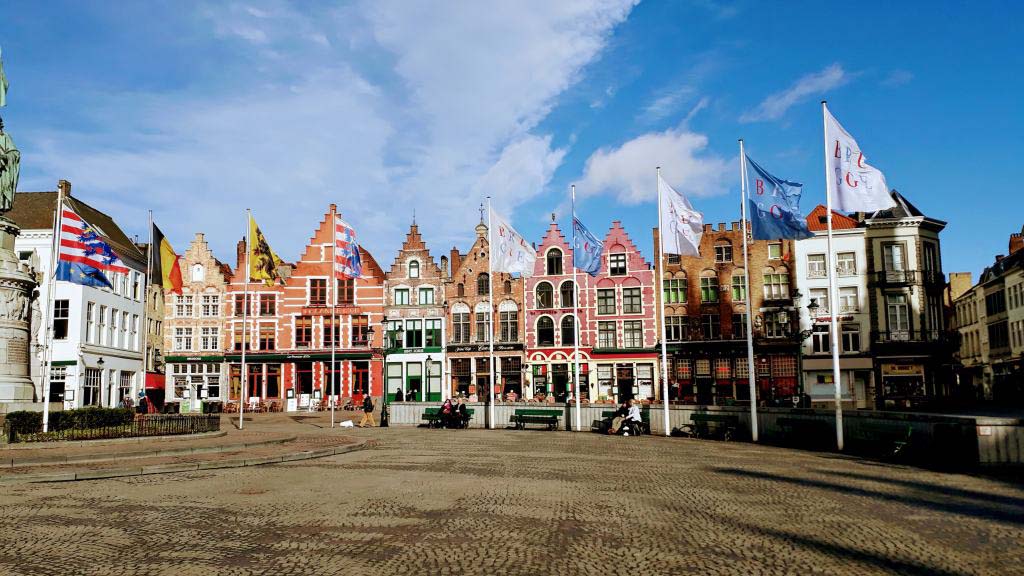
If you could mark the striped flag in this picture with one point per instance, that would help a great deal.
(347, 263)
(84, 256)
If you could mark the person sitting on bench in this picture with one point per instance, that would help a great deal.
(461, 414)
(634, 416)
(618, 417)
(447, 412)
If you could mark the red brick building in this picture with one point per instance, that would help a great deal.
(291, 333)
(705, 314)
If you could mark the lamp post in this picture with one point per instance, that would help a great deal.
(812, 309)
(426, 389)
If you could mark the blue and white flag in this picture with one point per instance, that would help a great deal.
(774, 206)
(586, 254)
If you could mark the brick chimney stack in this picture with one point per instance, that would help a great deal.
(456, 260)
(240, 249)
(65, 187)
(1016, 241)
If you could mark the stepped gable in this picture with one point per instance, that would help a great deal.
(618, 235)
(414, 243)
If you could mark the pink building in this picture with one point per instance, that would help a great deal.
(618, 344)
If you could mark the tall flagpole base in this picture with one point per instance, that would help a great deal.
(17, 284)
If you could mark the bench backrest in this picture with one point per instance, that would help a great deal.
(699, 416)
(536, 412)
(427, 411)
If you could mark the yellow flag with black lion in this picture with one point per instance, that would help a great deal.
(263, 262)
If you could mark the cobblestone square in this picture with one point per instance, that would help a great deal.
(511, 502)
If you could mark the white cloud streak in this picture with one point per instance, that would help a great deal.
(775, 106)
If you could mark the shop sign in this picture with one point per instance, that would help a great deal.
(902, 370)
(484, 348)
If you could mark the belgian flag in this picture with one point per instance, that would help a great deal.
(163, 263)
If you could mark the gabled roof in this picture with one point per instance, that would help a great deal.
(902, 209)
(817, 220)
(34, 211)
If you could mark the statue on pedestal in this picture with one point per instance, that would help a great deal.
(17, 283)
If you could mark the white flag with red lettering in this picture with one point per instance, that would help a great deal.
(510, 252)
(856, 186)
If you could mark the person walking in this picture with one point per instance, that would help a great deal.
(367, 412)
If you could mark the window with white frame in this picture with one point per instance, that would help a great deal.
(401, 296)
(775, 250)
(136, 285)
(91, 387)
(135, 332)
(90, 323)
(820, 297)
(846, 263)
(816, 267)
(198, 273)
(674, 291)
(606, 301)
(617, 264)
(675, 328)
(182, 339)
(209, 338)
(739, 287)
(606, 334)
(898, 314)
(483, 332)
(425, 296)
(125, 339)
(61, 313)
(210, 307)
(774, 327)
(820, 339)
(631, 301)
(708, 286)
(723, 251)
(183, 306)
(103, 337)
(776, 284)
(414, 269)
(848, 299)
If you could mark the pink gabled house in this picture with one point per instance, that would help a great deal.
(618, 333)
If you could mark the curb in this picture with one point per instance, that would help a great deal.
(132, 440)
(184, 467)
(108, 456)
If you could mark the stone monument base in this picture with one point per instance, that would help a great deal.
(16, 286)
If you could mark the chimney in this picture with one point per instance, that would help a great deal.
(999, 257)
(240, 261)
(65, 187)
(456, 260)
(1016, 242)
(444, 267)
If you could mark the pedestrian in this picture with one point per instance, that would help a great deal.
(367, 412)
(399, 396)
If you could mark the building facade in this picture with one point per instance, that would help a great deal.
(990, 324)
(94, 332)
(415, 312)
(705, 320)
(469, 312)
(909, 341)
(195, 329)
(856, 365)
(550, 324)
(292, 328)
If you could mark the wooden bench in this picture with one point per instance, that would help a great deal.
(524, 416)
(880, 438)
(808, 432)
(721, 426)
(601, 426)
(433, 417)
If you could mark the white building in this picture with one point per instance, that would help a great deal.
(96, 357)
(854, 317)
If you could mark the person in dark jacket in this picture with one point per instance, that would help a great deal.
(461, 414)
(367, 412)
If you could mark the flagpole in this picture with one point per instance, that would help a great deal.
(48, 313)
(245, 318)
(490, 317)
(661, 287)
(576, 314)
(751, 374)
(832, 290)
(145, 302)
(334, 309)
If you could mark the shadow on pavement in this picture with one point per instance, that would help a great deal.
(976, 510)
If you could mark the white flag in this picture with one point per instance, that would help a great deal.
(856, 185)
(683, 226)
(510, 252)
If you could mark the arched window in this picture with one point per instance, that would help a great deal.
(482, 284)
(545, 296)
(414, 269)
(198, 273)
(508, 286)
(460, 289)
(568, 331)
(567, 294)
(545, 331)
(554, 261)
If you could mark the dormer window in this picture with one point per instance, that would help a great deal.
(554, 262)
(414, 269)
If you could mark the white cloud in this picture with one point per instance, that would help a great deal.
(897, 78)
(666, 104)
(380, 107)
(775, 105)
(628, 172)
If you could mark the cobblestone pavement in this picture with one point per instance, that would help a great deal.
(523, 502)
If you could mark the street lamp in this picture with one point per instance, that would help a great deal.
(426, 394)
(812, 309)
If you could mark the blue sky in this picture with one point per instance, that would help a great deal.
(199, 110)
